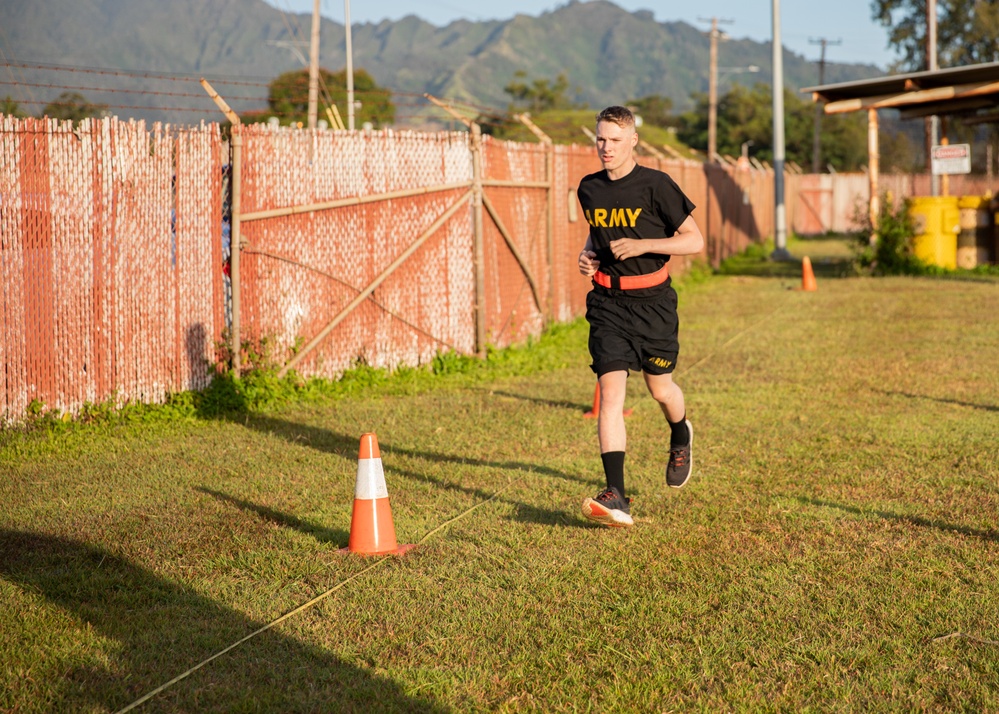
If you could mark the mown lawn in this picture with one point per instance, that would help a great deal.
(836, 549)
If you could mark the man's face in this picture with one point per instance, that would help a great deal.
(615, 145)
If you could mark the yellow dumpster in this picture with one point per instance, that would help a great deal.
(974, 242)
(938, 222)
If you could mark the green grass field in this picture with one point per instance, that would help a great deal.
(836, 549)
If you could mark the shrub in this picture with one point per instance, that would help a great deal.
(891, 250)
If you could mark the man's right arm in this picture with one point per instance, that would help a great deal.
(588, 263)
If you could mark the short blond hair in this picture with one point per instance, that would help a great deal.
(621, 116)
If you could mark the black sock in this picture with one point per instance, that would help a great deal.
(678, 435)
(614, 470)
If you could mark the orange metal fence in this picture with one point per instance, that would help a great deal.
(838, 202)
(110, 267)
(380, 247)
(301, 271)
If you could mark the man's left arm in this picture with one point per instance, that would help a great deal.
(686, 241)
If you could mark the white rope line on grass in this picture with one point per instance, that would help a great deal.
(457, 518)
(300, 608)
(253, 634)
(731, 340)
(966, 636)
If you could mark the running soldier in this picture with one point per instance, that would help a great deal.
(638, 218)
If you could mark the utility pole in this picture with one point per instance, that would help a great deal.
(933, 122)
(816, 140)
(715, 35)
(350, 66)
(314, 67)
(780, 211)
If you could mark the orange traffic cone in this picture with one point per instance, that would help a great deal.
(595, 412)
(371, 529)
(807, 276)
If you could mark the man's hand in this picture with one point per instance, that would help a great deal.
(624, 248)
(588, 263)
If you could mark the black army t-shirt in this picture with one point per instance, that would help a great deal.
(644, 204)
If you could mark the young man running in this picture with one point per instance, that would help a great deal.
(638, 218)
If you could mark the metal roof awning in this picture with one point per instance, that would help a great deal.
(952, 92)
(944, 92)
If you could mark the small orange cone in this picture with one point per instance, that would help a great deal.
(595, 412)
(371, 529)
(807, 276)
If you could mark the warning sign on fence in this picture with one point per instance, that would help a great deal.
(951, 159)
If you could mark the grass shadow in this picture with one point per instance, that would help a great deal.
(991, 535)
(320, 533)
(346, 446)
(527, 513)
(161, 628)
(555, 403)
(940, 400)
(523, 512)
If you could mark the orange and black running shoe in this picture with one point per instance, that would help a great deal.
(609, 508)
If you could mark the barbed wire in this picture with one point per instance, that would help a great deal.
(261, 100)
(398, 122)
(137, 74)
(482, 114)
(79, 88)
(264, 83)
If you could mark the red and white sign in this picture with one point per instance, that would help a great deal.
(951, 159)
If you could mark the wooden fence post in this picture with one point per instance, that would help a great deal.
(874, 207)
(477, 238)
(550, 229)
(235, 183)
(235, 247)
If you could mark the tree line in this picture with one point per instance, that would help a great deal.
(968, 32)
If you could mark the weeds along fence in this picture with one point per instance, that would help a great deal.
(381, 247)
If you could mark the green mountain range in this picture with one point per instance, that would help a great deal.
(143, 58)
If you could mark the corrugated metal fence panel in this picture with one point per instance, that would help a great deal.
(93, 276)
(301, 271)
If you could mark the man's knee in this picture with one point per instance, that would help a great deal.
(662, 387)
(614, 387)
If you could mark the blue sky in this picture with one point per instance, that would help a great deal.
(802, 21)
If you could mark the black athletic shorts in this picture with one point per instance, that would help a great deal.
(638, 334)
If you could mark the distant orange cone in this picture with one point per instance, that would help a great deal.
(371, 529)
(807, 276)
(595, 412)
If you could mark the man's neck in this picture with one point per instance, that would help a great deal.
(622, 171)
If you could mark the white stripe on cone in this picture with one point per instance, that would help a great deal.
(370, 483)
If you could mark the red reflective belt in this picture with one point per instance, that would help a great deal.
(632, 282)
